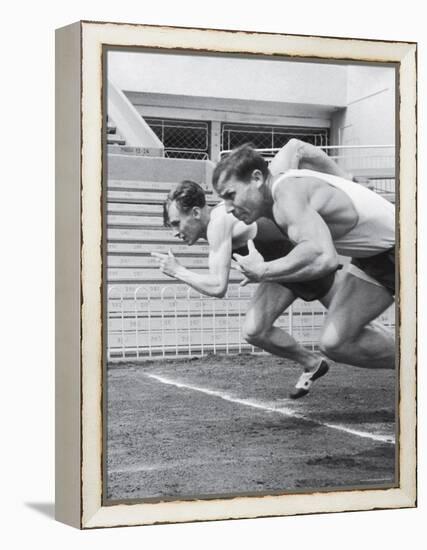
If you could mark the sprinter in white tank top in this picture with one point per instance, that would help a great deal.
(374, 231)
(322, 216)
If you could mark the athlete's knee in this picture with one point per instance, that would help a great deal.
(254, 333)
(332, 342)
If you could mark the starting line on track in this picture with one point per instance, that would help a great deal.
(284, 411)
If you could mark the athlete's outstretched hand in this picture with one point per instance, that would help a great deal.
(251, 266)
(168, 264)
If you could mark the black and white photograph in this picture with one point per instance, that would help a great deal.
(249, 275)
(202, 347)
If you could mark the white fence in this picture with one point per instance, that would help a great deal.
(177, 321)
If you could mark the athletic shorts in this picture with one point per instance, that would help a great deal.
(312, 290)
(307, 290)
(380, 267)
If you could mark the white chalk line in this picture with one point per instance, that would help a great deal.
(284, 411)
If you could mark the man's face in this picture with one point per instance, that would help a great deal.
(242, 199)
(185, 226)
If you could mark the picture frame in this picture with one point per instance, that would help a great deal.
(80, 300)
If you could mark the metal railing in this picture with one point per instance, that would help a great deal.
(261, 135)
(373, 165)
(178, 321)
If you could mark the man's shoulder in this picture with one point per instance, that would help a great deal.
(292, 182)
(220, 217)
(218, 210)
(221, 223)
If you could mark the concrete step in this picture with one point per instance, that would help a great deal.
(137, 168)
(144, 185)
(182, 321)
(138, 248)
(139, 222)
(171, 307)
(146, 197)
(162, 235)
(136, 262)
(134, 209)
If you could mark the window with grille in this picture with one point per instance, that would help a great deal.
(187, 139)
(269, 137)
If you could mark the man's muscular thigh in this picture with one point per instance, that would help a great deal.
(268, 303)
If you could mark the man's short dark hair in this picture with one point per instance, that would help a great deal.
(240, 163)
(187, 194)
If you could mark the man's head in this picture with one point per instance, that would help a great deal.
(185, 211)
(239, 180)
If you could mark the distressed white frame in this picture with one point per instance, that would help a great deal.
(79, 382)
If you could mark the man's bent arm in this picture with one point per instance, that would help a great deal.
(215, 282)
(304, 263)
(314, 254)
(299, 154)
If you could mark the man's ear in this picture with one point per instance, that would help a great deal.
(196, 212)
(258, 178)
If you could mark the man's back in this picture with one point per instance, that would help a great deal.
(360, 221)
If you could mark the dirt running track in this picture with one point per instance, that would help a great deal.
(224, 425)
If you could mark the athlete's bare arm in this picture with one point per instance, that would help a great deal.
(215, 282)
(299, 154)
(314, 254)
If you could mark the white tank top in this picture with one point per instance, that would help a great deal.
(375, 230)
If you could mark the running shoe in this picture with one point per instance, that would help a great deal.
(305, 381)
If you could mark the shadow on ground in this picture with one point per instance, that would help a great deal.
(45, 508)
